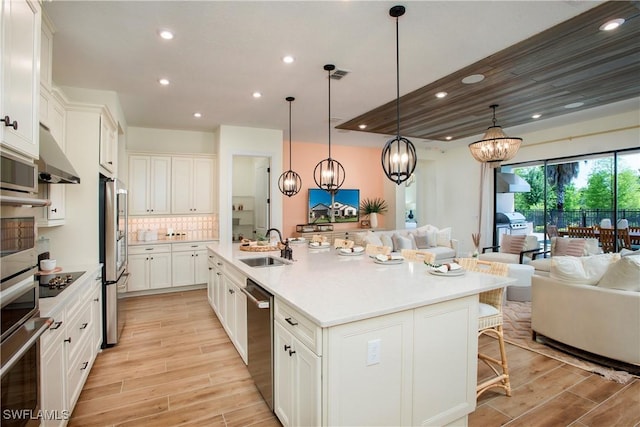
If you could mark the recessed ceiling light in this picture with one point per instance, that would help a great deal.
(163, 82)
(197, 115)
(448, 138)
(441, 94)
(362, 126)
(574, 105)
(536, 116)
(257, 94)
(166, 34)
(611, 24)
(288, 59)
(473, 78)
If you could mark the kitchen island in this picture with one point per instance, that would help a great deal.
(361, 343)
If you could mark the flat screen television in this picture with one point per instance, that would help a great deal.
(342, 206)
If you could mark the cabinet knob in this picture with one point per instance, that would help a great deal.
(56, 325)
(84, 326)
(96, 299)
(54, 210)
(286, 347)
(68, 340)
(231, 291)
(291, 352)
(7, 122)
(219, 274)
(210, 268)
(152, 258)
(291, 321)
(110, 162)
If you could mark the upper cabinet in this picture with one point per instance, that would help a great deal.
(192, 185)
(20, 79)
(108, 145)
(149, 184)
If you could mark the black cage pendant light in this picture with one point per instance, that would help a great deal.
(329, 174)
(398, 155)
(290, 182)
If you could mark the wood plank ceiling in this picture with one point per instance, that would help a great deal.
(569, 63)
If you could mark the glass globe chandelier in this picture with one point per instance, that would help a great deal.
(399, 154)
(329, 173)
(495, 147)
(290, 182)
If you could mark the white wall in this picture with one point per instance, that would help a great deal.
(242, 141)
(170, 141)
(451, 185)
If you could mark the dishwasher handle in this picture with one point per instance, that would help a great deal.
(252, 289)
(257, 302)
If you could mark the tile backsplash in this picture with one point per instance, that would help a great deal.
(206, 225)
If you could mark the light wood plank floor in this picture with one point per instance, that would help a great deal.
(175, 366)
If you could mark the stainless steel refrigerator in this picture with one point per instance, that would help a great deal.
(113, 256)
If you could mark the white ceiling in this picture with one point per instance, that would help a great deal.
(225, 50)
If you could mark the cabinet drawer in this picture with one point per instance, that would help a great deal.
(53, 336)
(77, 371)
(78, 329)
(236, 276)
(299, 325)
(145, 249)
(194, 246)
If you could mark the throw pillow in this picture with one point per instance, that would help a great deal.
(372, 239)
(443, 237)
(623, 274)
(401, 242)
(422, 242)
(569, 247)
(432, 237)
(628, 252)
(592, 247)
(586, 270)
(512, 244)
(386, 241)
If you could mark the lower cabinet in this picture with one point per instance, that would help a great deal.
(297, 380)
(68, 350)
(149, 267)
(189, 264)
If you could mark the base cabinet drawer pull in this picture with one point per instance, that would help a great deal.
(286, 347)
(231, 291)
(84, 366)
(55, 326)
(291, 321)
(84, 326)
(68, 340)
(96, 299)
(291, 352)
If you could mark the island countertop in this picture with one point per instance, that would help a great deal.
(333, 289)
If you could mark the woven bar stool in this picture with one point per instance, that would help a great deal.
(490, 323)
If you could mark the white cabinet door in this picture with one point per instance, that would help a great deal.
(96, 316)
(138, 272)
(201, 267)
(241, 324)
(108, 144)
(160, 185)
(159, 270)
(202, 185)
(181, 185)
(218, 296)
(230, 308)
(53, 384)
(183, 267)
(139, 175)
(297, 380)
(20, 87)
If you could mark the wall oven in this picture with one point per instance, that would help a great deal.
(21, 325)
(17, 174)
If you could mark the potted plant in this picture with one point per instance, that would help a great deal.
(373, 207)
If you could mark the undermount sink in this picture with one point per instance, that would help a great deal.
(263, 261)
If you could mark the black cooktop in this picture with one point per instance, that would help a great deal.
(52, 284)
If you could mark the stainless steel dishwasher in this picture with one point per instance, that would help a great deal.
(260, 338)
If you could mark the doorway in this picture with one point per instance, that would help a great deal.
(250, 197)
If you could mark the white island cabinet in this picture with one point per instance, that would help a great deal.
(358, 343)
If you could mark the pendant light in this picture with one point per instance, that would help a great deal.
(329, 174)
(398, 155)
(495, 147)
(290, 182)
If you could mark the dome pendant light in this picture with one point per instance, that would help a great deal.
(495, 147)
(329, 174)
(398, 155)
(290, 182)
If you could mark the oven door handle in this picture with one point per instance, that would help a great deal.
(14, 347)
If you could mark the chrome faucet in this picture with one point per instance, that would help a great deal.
(287, 252)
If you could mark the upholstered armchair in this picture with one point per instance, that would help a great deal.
(513, 249)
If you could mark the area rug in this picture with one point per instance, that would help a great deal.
(517, 331)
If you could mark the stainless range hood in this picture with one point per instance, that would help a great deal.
(511, 183)
(53, 165)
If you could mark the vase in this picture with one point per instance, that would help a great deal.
(373, 220)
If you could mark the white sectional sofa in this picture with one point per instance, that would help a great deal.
(601, 318)
(427, 238)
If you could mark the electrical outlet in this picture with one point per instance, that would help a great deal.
(373, 352)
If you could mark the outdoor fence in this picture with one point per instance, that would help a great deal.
(579, 217)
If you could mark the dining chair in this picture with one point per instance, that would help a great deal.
(612, 243)
(343, 243)
(634, 237)
(552, 231)
(490, 323)
(377, 249)
(418, 256)
(584, 232)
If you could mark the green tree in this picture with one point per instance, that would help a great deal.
(559, 176)
(534, 199)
